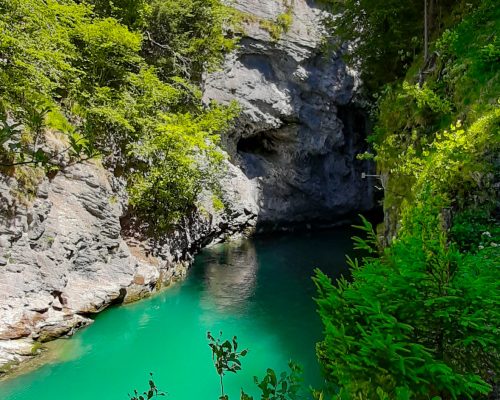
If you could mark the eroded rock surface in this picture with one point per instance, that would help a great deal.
(64, 258)
(300, 131)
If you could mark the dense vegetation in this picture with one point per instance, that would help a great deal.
(116, 79)
(120, 80)
(421, 317)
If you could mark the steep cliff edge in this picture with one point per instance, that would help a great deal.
(64, 256)
(299, 132)
(69, 254)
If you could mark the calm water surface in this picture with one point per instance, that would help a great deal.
(259, 290)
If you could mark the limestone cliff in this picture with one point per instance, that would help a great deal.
(299, 132)
(64, 256)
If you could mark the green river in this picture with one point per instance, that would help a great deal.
(259, 290)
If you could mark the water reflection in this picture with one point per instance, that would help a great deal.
(230, 277)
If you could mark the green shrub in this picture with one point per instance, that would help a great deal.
(132, 13)
(420, 318)
(280, 25)
(180, 157)
(108, 51)
(186, 37)
(420, 321)
(285, 21)
(475, 229)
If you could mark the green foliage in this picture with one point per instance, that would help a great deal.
(420, 321)
(276, 28)
(475, 229)
(415, 138)
(386, 34)
(78, 69)
(457, 163)
(225, 357)
(186, 37)
(108, 52)
(420, 318)
(407, 115)
(153, 391)
(283, 387)
(182, 156)
(272, 28)
(132, 13)
(36, 48)
(25, 147)
(36, 44)
(371, 244)
(281, 24)
(469, 60)
(426, 98)
(8, 130)
(217, 203)
(273, 387)
(460, 162)
(285, 20)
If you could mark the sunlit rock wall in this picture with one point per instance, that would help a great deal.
(300, 131)
(66, 255)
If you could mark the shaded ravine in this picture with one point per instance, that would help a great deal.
(259, 290)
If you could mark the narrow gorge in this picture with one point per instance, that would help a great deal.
(249, 199)
(72, 251)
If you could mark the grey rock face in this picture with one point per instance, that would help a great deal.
(64, 257)
(299, 132)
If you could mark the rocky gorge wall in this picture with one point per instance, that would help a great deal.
(66, 255)
(300, 130)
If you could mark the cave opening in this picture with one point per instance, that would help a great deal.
(262, 143)
(355, 122)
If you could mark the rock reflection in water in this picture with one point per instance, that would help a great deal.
(230, 277)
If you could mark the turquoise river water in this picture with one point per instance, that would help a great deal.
(259, 290)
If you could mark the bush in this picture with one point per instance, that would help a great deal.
(186, 37)
(132, 13)
(420, 318)
(420, 321)
(180, 158)
(108, 51)
(475, 229)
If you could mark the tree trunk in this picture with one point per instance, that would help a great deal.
(426, 33)
(431, 16)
